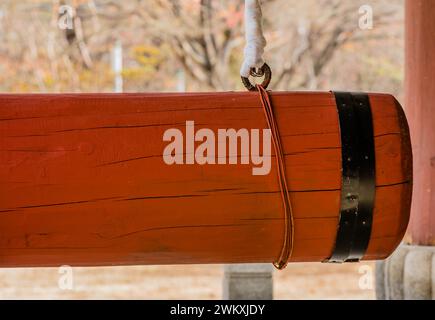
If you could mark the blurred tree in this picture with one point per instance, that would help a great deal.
(312, 44)
(307, 35)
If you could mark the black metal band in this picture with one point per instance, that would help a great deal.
(358, 177)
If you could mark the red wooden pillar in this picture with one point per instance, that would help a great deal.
(410, 272)
(420, 108)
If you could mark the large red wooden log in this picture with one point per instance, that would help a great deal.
(83, 181)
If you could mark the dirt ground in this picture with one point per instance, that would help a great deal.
(298, 281)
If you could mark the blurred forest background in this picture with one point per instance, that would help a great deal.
(193, 45)
(196, 45)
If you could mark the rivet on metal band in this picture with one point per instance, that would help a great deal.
(358, 177)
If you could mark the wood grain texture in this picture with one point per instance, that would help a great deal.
(83, 182)
(419, 105)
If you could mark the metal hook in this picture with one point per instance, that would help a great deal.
(260, 72)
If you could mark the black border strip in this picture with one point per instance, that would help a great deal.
(358, 177)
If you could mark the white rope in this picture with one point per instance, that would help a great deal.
(255, 40)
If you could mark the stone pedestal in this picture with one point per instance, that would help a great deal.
(409, 274)
(248, 282)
